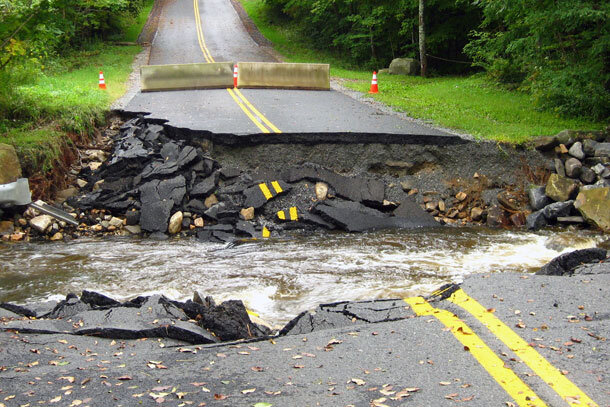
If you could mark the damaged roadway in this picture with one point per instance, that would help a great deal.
(361, 354)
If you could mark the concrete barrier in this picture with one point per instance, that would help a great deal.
(186, 76)
(283, 75)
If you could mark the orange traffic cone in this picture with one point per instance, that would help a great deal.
(374, 86)
(235, 72)
(102, 81)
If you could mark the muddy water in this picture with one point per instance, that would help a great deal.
(277, 278)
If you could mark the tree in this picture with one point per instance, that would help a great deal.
(423, 58)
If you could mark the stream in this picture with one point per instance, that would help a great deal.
(277, 278)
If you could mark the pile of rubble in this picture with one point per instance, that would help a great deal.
(198, 321)
(160, 186)
(578, 189)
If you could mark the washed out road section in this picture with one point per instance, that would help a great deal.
(226, 39)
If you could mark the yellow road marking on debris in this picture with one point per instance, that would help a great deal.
(266, 232)
(265, 190)
(293, 213)
(510, 382)
(277, 187)
(545, 370)
(253, 114)
(281, 215)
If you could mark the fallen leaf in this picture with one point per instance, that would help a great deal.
(359, 382)
(387, 392)
(262, 404)
(248, 391)
(70, 379)
(468, 398)
(197, 384)
(124, 378)
(243, 353)
(55, 399)
(220, 396)
(257, 369)
(62, 341)
(298, 366)
(444, 383)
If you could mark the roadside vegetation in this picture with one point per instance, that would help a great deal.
(52, 53)
(535, 69)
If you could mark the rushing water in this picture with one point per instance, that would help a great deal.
(277, 278)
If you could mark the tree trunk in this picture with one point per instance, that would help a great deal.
(422, 40)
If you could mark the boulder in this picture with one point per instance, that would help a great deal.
(576, 151)
(560, 168)
(97, 300)
(545, 143)
(552, 211)
(593, 205)
(573, 167)
(602, 150)
(206, 186)
(155, 216)
(566, 263)
(175, 223)
(69, 307)
(560, 188)
(404, 66)
(538, 198)
(587, 175)
(536, 220)
(588, 147)
(10, 169)
(41, 223)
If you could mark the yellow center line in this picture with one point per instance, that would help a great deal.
(510, 382)
(567, 390)
(265, 190)
(253, 114)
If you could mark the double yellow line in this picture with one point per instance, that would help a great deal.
(253, 114)
(508, 380)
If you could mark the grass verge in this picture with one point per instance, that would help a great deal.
(466, 104)
(42, 112)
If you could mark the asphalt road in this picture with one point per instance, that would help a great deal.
(226, 39)
(417, 361)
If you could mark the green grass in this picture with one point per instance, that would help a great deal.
(41, 111)
(65, 99)
(466, 104)
(134, 26)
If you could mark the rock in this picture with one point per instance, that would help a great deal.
(602, 267)
(562, 149)
(560, 168)
(538, 198)
(508, 201)
(476, 213)
(199, 222)
(566, 137)
(576, 151)
(441, 206)
(587, 175)
(560, 189)
(10, 168)
(566, 263)
(593, 205)
(602, 150)
(553, 211)
(536, 220)
(7, 227)
(210, 201)
(175, 223)
(517, 219)
(321, 190)
(545, 143)
(599, 169)
(588, 147)
(133, 229)
(247, 213)
(407, 185)
(97, 300)
(258, 195)
(116, 222)
(41, 223)
(431, 206)
(81, 183)
(158, 236)
(57, 236)
(573, 167)
(495, 216)
(64, 194)
(404, 66)
(571, 219)
(132, 217)
(461, 196)
(94, 166)
(223, 211)
(245, 228)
